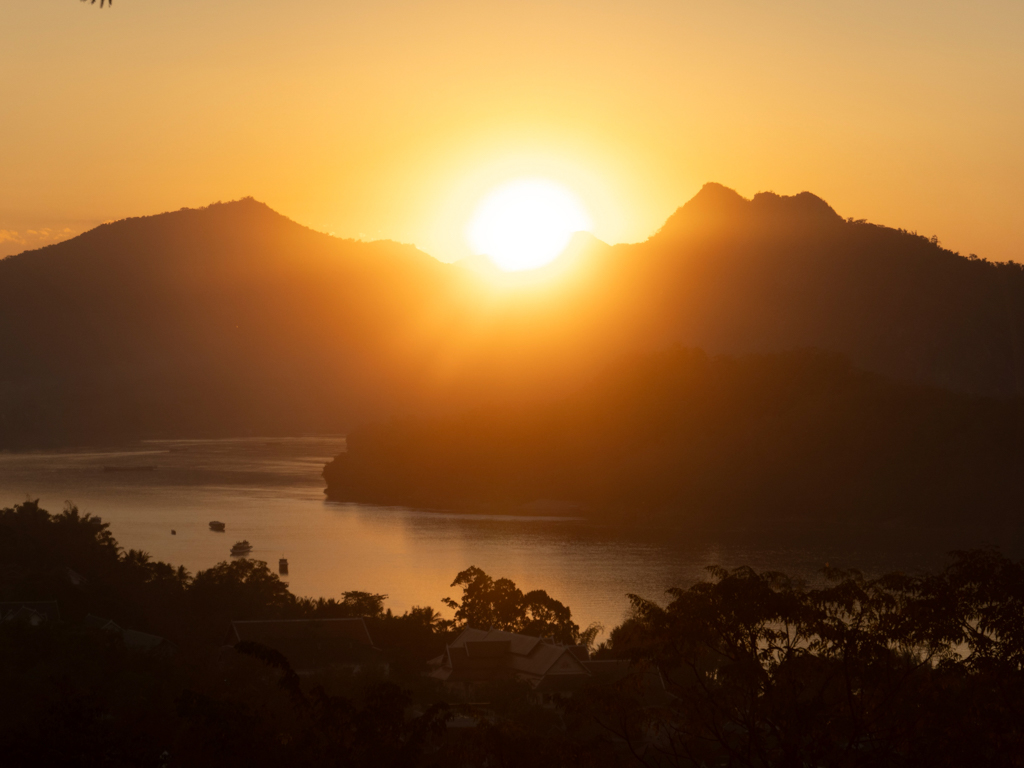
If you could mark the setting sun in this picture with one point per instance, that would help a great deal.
(526, 223)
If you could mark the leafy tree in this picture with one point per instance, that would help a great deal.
(427, 617)
(897, 670)
(240, 589)
(67, 538)
(365, 604)
(487, 602)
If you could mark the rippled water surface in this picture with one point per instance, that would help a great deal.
(269, 491)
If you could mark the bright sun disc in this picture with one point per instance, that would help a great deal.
(526, 223)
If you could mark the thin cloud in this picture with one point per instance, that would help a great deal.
(14, 241)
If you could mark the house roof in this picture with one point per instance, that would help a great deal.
(563, 683)
(44, 608)
(547, 659)
(520, 645)
(132, 638)
(468, 634)
(26, 615)
(480, 655)
(487, 649)
(600, 673)
(459, 667)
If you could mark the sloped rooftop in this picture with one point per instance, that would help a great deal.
(478, 656)
(46, 609)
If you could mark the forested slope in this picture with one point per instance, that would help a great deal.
(686, 437)
(233, 320)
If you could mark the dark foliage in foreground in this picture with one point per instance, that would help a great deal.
(746, 669)
(898, 670)
(37, 550)
(686, 436)
(487, 602)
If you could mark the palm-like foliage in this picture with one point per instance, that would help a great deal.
(102, 2)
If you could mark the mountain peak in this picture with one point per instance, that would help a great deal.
(242, 218)
(717, 205)
(803, 204)
(716, 195)
(244, 209)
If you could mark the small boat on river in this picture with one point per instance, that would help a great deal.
(242, 547)
(216, 525)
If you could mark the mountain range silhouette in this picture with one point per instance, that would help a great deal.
(232, 319)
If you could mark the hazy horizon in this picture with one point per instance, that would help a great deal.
(35, 239)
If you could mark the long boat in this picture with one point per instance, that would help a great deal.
(241, 548)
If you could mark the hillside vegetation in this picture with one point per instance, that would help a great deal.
(687, 437)
(233, 320)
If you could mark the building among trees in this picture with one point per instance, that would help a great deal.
(479, 657)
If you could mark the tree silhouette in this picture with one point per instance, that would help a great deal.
(896, 670)
(500, 604)
(744, 669)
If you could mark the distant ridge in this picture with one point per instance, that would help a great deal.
(228, 319)
(773, 273)
(233, 319)
(245, 210)
(716, 205)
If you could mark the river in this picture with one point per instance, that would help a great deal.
(269, 491)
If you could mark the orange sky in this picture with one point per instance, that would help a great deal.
(389, 119)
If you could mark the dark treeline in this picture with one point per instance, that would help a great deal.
(893, 671)
(688, 437)
(233, 320)
(745, 669)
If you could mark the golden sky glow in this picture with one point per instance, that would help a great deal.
(393, 119)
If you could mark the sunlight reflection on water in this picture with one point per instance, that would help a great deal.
(269, 491)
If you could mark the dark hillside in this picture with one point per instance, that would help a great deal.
(734, 276)
(235, 320)
(229, 319)
(685, 437)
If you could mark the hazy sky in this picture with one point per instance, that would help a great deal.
(391, 118)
